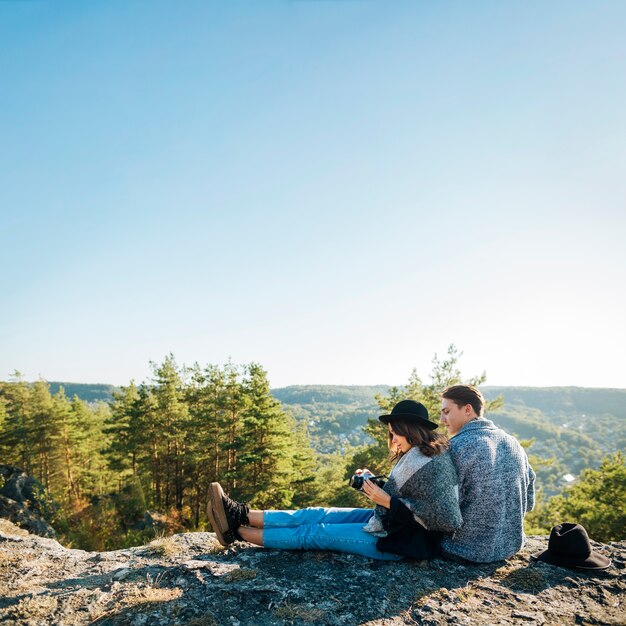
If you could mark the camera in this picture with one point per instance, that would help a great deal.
(356, 481)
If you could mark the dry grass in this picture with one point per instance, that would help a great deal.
(8, 528)
(36, 607)
(524, 579)
(165, 546)
(144, 598)
(157, 594)
(240, 574)
(290, 611)
(10, 561)
(423, 595)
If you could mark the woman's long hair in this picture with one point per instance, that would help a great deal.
(428, 441)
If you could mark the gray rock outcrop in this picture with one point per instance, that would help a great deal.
(190, 579)
(23, 502)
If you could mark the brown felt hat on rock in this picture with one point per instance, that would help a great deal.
(569, 546)
(409, 411)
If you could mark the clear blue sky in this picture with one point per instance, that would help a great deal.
(335, 189)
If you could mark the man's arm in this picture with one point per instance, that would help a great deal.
(530, 491)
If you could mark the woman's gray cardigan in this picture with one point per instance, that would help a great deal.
(426, 506)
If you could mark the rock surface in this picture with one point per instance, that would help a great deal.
(190, 579)
(22, 501)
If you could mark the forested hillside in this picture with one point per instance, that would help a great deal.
(86, 392)
(334, 415)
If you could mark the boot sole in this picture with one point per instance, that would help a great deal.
(217, 515)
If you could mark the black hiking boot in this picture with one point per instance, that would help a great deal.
(226, 515)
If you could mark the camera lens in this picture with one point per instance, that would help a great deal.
(356, 482)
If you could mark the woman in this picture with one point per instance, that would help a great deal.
(423, 472)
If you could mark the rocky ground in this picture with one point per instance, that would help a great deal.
(190, 579)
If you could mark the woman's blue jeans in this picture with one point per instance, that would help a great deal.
(319, 528)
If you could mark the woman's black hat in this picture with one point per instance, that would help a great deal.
(569, 546)
(409, 411)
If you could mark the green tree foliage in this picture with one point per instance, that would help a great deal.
(158, 445)
(15, 441)
(123, 427)
(56, 440)
(170, 420)
(190, 427)
(597, 501)
(265, 445)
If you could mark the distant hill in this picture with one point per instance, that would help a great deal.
(560, 400)
(553, 401)
(85, 391)
(338, 394)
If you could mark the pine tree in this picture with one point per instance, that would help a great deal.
(311, 482)
(122, 429)
(173, 415)
(43, 428)
(149, 442)
(234, 404)
(208, 428)
(265, 443)
(16, 446)
(69, 424)
(94, 474)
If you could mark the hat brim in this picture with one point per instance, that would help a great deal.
(409, 417)
(594, 561)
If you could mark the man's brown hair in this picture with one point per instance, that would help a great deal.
(465, 394)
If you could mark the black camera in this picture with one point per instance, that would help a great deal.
(356, 481)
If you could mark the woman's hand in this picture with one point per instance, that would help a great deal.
(376, 494)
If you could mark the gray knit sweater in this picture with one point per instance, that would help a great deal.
(496, 488)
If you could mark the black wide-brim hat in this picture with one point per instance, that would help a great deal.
(409, 411)
(569, 546)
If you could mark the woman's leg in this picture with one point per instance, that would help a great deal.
(255, 518)
(311, 515)
(251, 535)
(253, 532)
(227, 516)
(350, 538)
(314, 515)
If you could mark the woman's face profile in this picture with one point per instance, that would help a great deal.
(398, 442)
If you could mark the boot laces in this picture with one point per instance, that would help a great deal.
(237, 512)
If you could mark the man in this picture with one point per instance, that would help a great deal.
(496, 482)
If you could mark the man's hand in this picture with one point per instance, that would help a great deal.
(376, 494)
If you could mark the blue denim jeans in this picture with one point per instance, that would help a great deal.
(318, 528)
